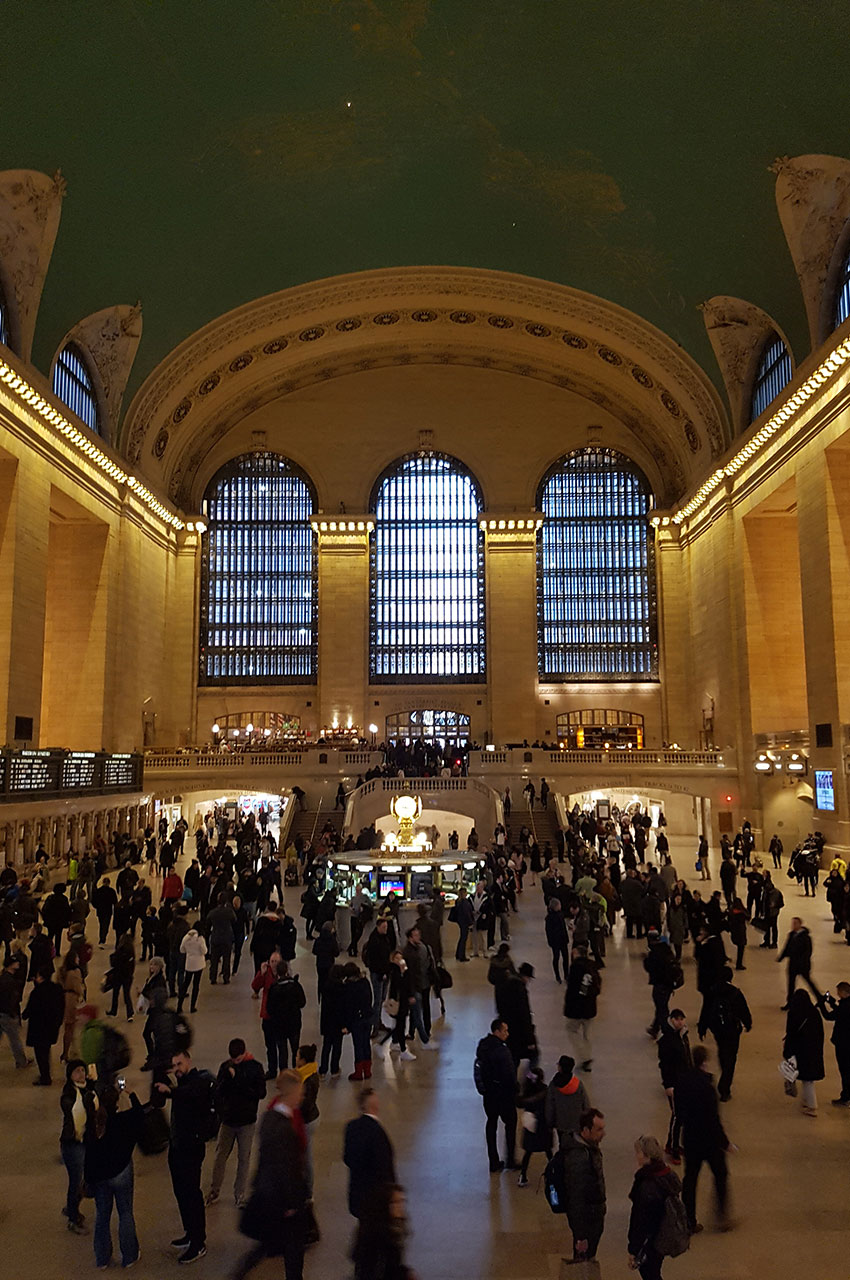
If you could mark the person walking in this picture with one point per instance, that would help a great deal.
(557, 939)
(536, 1132)
(703, 855)
(56, 914)
(109, 1175)
(463, 915)
(584, 1184)
(104, 899)
(71, 981)
(191, 1109)
(378, 1250)
(376, 957)
(775, 850)
(674, 1061)
(421, 971)
(44, 1015)
(544, 793)
(275, 1216)
(653, 1184)
(798, 952)
(514, 1007)
(804, 1041)
(725, 1013)
(240, 1088)
(495, 1080)
(580, 1001)
(705, 1140)
(566, 1100)
(728, 877)
(326, 950)
(194, 949)
(122, 966)
(220, 925)
(664, 974)
(482, 914)
(77, 1103)
(367, 1153)
(357, 1013)
(737, 925)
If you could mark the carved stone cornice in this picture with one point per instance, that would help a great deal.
(111, 338)
(737, 331)
(813, 200)
(433, 315)
(30, 208)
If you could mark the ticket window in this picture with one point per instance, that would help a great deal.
(421, 885)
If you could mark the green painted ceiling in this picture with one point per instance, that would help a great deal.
(218, 150)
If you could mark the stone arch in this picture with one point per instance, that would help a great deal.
(432, 316)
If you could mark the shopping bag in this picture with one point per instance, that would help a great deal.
(580, 1269)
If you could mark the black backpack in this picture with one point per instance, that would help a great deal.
(209, 1120)
(673, 1236)
(554, 1184)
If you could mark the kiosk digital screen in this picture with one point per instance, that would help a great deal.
(390, 886)
(824, 791)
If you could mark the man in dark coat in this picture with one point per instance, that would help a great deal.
(276, 1214)
(367, 1153)
(556, 936)
(725, 1013)
(584, 1184)
(696, 1103)
(44, 1015)
(674, 1061)
(514, 1008)
(798, 952)
(104, 899)
(631, 896)
(56, 914)
(495, 1080)
(838, 1012)
(190, 1109)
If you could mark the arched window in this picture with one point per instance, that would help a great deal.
(427, 580)
(259, 581)
(842, 296)
(596, 571)
(73, 384)
(773, 373)
(448, 728)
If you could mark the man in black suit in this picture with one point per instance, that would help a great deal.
(368, 1154)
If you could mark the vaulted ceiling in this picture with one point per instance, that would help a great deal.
(216, 151)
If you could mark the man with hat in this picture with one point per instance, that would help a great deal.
(514, 1007)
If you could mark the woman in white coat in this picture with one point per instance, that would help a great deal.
(194, 948)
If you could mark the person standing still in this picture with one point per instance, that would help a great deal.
(190, 1110)
(584, 1182)
(463, 915)
(496, 1081)
(240, 1087)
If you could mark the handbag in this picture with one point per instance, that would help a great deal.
(698, 864)
(109, 981)
(444, 979)
(788, 1069)
(391, 1008)
(142, 1004)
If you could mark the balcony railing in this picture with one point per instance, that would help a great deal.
(48, 774)
(518, 758)
(307, 762)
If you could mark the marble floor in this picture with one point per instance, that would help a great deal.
(789, 1179)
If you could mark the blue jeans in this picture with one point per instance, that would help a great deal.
(117, 1190)
(74, 1159)
(417, 1022)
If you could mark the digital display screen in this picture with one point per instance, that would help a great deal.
(390, 886)
(824, 791)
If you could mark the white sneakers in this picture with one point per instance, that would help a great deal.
(379, 1050)
(407, 1056)
(432, 1044)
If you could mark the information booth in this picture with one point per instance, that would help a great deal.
(414, 877)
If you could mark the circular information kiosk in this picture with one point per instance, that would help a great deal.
(413, 877)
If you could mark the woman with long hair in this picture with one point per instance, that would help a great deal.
(110, 1140)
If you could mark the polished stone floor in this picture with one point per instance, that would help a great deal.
(789, 1179)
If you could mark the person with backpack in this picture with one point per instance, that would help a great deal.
(494, 1073)
(658, 1224)
(725, 1013)
(664, 974)
(584, 1184)
(193, 1122)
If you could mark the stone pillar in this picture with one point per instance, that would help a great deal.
(680, 719)
(824, 582)
(511, 568)
(29, 839)
(24, 534)
(343, 618)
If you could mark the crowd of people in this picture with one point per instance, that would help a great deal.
(191, 915)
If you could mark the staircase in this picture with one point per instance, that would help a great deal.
(543, 823)
(309, 823)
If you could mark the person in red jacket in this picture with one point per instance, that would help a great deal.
(172, 888)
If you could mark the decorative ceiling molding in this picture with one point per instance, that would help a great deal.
(738, 331)
(813, 199)
(432, 315)
(30, 208)
(111, 338)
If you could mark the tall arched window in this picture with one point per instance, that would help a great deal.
(842, 296)
(596, 571)
(259, 581)
(427, 580)
(74, 386)
(773, 373)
